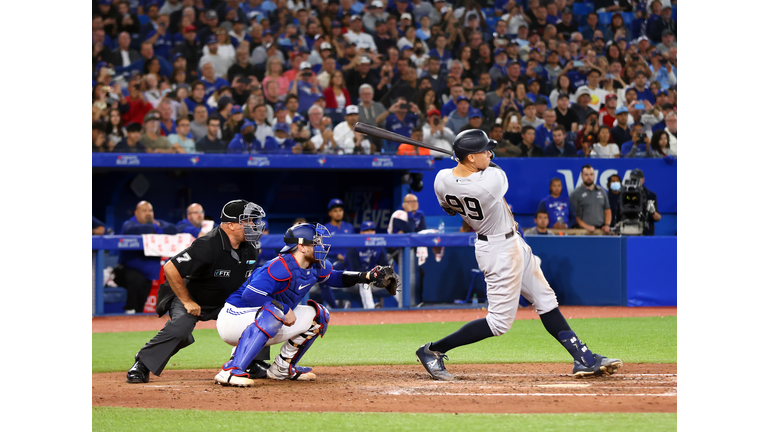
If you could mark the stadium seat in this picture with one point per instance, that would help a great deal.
(628, 18)
(491, 21)
(604, 18)
(489, 12)
(582, 9)
(143, 19)
(335, 114)
(475, 274)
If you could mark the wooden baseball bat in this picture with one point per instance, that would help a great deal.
(391, 136)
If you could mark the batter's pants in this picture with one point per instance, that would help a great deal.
(177, 334)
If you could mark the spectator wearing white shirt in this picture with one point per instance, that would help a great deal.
(596, 94)
(436, 134)
(345, 136)
(602, 148)
(514, 18)
(355, 34)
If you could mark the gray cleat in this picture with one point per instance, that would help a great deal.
(433, 363)
(602, 366)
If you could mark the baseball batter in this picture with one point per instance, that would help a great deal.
(475, 190)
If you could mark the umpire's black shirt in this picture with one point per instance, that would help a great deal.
(211, 269)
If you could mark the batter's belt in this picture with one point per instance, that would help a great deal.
(506, 236)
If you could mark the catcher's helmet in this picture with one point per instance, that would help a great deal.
(472, 141)
(308, 234)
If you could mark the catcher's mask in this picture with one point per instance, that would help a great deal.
(249, 218)
(306, 234)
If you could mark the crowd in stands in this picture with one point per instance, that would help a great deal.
(544, 78)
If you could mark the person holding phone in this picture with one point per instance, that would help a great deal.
(436, 134)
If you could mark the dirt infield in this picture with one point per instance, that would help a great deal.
(486, 388)
(152, 322)
(513, 388)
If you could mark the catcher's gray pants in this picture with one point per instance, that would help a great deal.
(177, 334)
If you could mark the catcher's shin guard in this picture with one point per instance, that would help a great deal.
(268, 322)
(294, 349)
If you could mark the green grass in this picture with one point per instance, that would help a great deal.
(141, 419)
(634, 340)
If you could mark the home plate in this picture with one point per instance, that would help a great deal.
(562, 385)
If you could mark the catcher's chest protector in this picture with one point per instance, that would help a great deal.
(299, 281)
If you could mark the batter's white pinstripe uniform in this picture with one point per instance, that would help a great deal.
(503, 256)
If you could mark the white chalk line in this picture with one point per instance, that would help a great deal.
(618, 374)
(537, 394)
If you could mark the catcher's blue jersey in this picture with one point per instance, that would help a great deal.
(282, 279)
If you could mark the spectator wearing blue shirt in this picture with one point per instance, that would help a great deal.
(544, 131)
(534, 86)
(401, 122)
(643, 93)
(556, 205)
(460, 116)
(138, 270)
(245, 142)
(638, 145)
(441, 51)
(281, 142)
(162, 40)
(193, 223)
(364, 259)
(211, 81)
(558, 147)
(662, 71)
(308, 92)
(593, 25)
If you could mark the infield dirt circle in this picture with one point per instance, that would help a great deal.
(486, 388)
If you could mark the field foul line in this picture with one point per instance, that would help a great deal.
(618, 374)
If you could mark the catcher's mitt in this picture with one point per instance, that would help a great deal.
(385, 277)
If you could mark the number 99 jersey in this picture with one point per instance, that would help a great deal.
(479, 199)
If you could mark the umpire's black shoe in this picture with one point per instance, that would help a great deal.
(257, 369)
(138, 373)
(433, 363)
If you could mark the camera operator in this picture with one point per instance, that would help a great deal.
(301, 135)
(649, 215)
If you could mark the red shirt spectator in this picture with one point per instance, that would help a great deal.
(608, 114)
(135, 106)
(335, 91)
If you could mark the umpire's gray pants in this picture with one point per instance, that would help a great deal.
(177, 334)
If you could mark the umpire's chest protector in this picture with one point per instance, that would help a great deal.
(299, 281)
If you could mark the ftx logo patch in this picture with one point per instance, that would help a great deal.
(221, 273)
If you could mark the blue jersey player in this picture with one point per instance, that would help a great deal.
(265, 310)
(336, 225)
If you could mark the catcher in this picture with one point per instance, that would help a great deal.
(265, 310)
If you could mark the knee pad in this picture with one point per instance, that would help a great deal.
(322, 316)
(270, 320)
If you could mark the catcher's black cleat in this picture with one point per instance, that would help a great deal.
(603, 367)
(433, 363)
(138, 373)
(257, 369)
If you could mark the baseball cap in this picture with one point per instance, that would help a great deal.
(246, 124)
(562, 95)
(365, 60)
(621, 110)
(335, 24)
(531, 81)
(177, 56)
(582, 91)
(566, 10)
(150, 117)
(541, 101)
(499, 51)
(305, 65)
(211, 40)
(133, 127)
(377, 4)
(211, 14)
(190, 28)
(298, 118)
(304, 50)
(325, 46)
(266, 32)
(407, 47)
(638, 73)
(351, 109)
(335, 203)
(636, 173)
(666, 32)
(282, 126)
(662, 91)
(462, 98)
(279, 107)
(475, 113)
(355, 17)
(367, 225)
(433, 112)
(236, 109)
(406, 15)
(611, 96)
(642, 38)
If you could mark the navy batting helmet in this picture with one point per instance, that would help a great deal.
(308, 234)
(472, 141)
